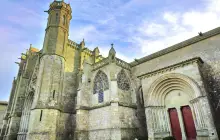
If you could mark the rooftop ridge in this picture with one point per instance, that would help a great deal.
(177, 46)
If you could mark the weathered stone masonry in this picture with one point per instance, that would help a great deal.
(67, 92)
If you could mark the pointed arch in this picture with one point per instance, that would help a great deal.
(100, 82)
(123, 81)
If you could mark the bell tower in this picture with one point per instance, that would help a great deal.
(57, 30)
(47, 107)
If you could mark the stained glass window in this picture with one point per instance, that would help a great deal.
(122, 81)
(100, 83)
(100, 97)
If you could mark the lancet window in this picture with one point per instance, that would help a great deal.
(56, 17)
(64, 20)
(100, 85)
(123, 81)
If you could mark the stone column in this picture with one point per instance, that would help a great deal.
(115, 122)
(209, 118)
(113, 88)
(149, 121)
(181, 123)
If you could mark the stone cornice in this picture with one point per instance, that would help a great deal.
(107, 61)
(89, 52)
(100, 64)
(123, 64)
(41, 55)
(172, 67)
(175, 47)
(104, 105)
(197, 99)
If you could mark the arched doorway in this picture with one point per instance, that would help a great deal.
(181, 119)
(175, 102)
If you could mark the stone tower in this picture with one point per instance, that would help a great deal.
(47, 107)
(57, 29)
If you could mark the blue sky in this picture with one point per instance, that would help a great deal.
(136, 27)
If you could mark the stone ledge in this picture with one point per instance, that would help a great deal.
(54, 108)
(202, 133)
(197, 60)
(106, 104)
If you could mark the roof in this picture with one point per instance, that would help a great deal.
(3, 103)
(175, 47)
(32, 49)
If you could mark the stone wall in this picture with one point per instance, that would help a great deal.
(3, 107)
(209, 51)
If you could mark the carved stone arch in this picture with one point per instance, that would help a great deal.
(166, 83)
(101, 82)
(124, 81)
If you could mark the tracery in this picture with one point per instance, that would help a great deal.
(123, 81)
(100, 83)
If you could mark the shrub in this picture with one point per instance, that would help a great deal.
(169, 138)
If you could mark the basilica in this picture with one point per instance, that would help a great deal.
(67, 92)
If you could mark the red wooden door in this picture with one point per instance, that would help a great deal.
(188, 123)
(175, 124)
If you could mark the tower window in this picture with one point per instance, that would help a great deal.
(54, 93)
(64, 20)
(56, 17)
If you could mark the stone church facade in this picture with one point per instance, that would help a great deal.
(67, 92)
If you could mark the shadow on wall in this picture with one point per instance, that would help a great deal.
(141, 115)
(211, 78)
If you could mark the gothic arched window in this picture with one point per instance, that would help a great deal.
(100, 85)
(123, 81)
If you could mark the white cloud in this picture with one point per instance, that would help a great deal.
(176, 27)
(170, 17)
(213, 5)
(152, 29)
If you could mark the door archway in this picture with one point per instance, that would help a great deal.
(168, 93)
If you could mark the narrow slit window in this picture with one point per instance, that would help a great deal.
(64, 20)
(54, 93)
(56, 17)
(41, 113)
